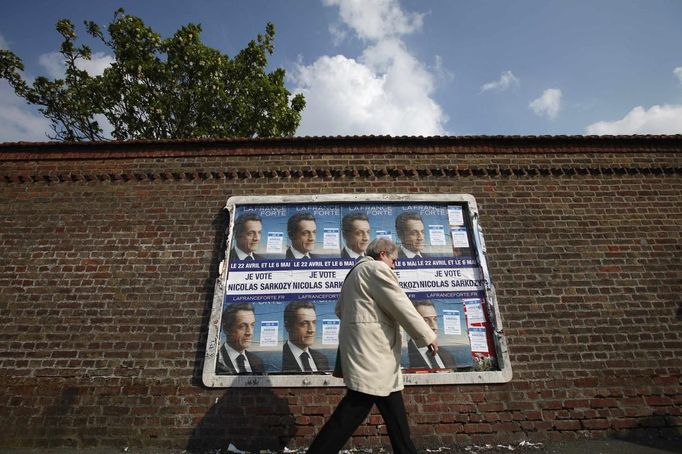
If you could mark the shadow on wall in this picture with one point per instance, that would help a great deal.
(251, 419)
(219, 224)
(656, 433)
(65, 406)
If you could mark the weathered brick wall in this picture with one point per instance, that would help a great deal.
(110, 251)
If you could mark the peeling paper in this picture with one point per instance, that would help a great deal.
(233, 448)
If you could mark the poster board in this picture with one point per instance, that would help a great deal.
(286, 258)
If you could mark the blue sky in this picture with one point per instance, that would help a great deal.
(409, 67)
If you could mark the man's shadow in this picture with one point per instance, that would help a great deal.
(251, 419)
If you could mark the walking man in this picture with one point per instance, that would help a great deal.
(372, 307)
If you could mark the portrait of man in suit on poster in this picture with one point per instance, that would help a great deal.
(356, 234)
(248, 229)
(239, 323)
(410, 230)
(302, 232)
(421, 358)
(300, 322)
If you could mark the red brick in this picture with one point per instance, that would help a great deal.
(621, 424)
(107, 275)
(567, 424)
(658, 401)
(478, 428)
(596, 424)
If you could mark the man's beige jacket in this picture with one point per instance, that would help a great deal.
(372, 307)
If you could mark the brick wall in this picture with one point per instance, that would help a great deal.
(109, 254)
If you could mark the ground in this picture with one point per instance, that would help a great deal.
(604, 446)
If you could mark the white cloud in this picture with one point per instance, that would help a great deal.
(55, 66)
(17, 122)
(658, 119)
(386, 90)
(507, 79)
(376, 19)
(441, 71)
(338, 34)
(97, 64)
(548, 104)
(349, 97)
(340, 96)
(678, 72)
(665, 119)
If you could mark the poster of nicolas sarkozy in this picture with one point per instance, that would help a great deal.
(286, 263)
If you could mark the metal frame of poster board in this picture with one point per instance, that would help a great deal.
(266, 283)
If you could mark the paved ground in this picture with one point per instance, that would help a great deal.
(607, 446)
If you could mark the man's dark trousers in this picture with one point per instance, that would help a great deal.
(352, 411)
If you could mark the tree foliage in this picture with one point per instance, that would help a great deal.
(160, 88)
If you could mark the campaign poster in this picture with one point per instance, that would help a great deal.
(286, 264)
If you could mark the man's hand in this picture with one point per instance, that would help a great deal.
(433, 347)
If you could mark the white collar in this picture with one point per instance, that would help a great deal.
(241, 254)
(296, 351)
(352, 254)
(425, 351)
(297, 254)
(409, 254)
(232, 353)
